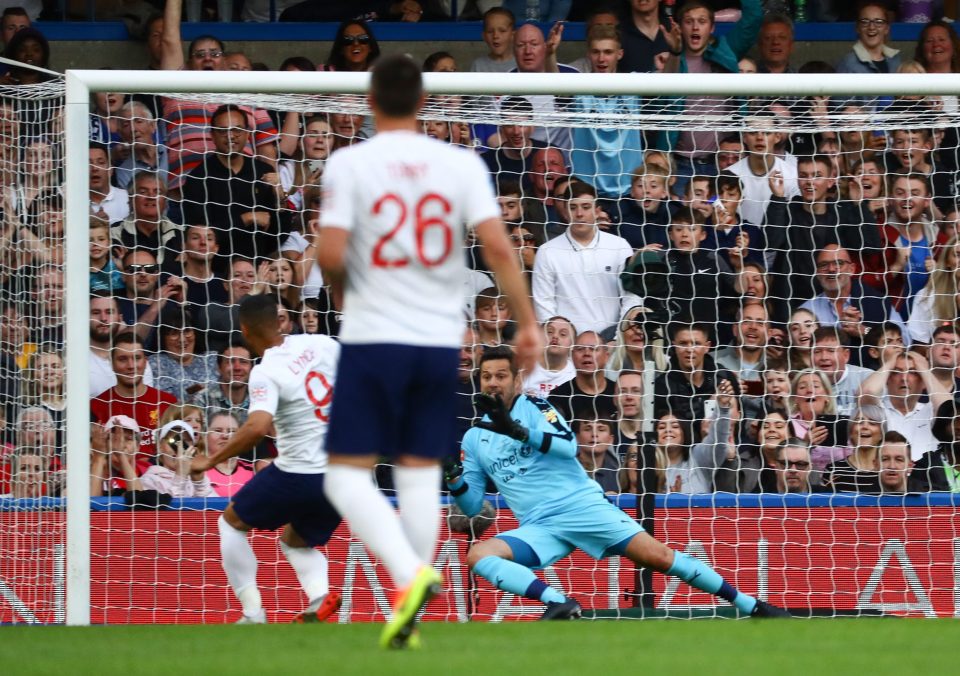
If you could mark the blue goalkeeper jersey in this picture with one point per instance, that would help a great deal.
(539, 478)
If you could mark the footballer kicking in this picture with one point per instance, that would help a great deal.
(396, 210)
(530, 454)
(290, 390)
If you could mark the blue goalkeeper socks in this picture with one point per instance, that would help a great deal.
(698, 574)
(516, 579)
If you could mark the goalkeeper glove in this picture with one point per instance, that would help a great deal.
(500, 420)
(452, 469)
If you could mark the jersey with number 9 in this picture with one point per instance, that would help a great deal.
(294, 383)
(407, 200)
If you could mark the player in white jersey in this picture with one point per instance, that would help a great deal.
(290, 390)
(395, 213)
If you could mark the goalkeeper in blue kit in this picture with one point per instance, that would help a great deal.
(526, 448)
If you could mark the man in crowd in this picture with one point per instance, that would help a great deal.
(589, 389)
(131, 396)
(945, 356)
(578, 275)
(692, 378)
(513, 159)
(832, 356)
(144, 296)
(746, 356)
(899, 386)
(643, 37)
(775, 44)
(556, 367)
(147, 226)
(844, 302)
(105, 324)
(234, 193)
(895, 464)
(538, 54)
(138, 129)
(231, 392)
(105, 197)
(793, 467)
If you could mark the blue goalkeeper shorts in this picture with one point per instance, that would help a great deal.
(599, 529)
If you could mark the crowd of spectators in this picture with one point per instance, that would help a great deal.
(747, 312)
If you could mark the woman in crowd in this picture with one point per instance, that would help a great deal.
(525, 243)
(296, 175)
(176, 447)
(632, 352)
(278, 277)
(39, 174)
(188, 413)
(354, 47)
(858, 472)
(758, 461)
(814, 418)
(44, 387)
(229, 476)
(939, 301)
(178, 368)
(684, 467)
(802, 325)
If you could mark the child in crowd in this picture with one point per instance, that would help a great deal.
(910, 194)
(498, 30)
(647, 216)
(492, 317)
(735, 241)
(104, 273)
(697, 278)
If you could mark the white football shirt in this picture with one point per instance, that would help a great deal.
(294, 383)
(407, 200)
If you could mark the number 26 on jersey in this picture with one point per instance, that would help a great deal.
(427, 218)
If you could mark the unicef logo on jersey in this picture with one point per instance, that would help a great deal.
(525, 451)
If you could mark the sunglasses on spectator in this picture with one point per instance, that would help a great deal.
(527, 239)
(796, 464)
(628, 324)
(359, 39)
(866, 23)
(204, 53)
(145, 269)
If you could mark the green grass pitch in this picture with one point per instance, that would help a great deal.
(587, 648)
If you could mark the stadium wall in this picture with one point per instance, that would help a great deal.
(817, 554)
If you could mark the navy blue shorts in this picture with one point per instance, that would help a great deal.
(392, 400)
(274, 498)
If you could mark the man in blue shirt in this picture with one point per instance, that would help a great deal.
(526, 448)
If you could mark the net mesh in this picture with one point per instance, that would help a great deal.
(176, 241)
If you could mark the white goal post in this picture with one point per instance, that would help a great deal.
(82, 84)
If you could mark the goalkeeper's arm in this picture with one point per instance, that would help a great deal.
(465, 480)
(546, 431)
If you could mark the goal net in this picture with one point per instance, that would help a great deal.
(792, 240)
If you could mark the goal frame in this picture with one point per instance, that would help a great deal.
(82, 84)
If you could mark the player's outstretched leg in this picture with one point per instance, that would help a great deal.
(311, 569)
(493, 561)
(418, 500)
(240, 565)
(646, 551)
(349, 487)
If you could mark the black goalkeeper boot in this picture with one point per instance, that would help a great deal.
(764, 609)
(568, 610)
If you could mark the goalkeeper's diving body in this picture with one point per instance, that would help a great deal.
(526, 448)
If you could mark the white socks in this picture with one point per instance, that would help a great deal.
(311, 568)
(372, 519)
(240, 565)
(418, 497)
